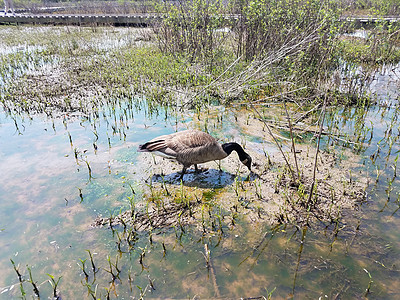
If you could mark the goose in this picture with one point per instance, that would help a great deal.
(192, 147)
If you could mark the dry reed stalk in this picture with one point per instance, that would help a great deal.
(316, 153)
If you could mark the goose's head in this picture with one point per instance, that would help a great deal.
(243, 156)
(246, 160)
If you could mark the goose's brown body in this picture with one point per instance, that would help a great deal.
(188, 147)
(192, 147)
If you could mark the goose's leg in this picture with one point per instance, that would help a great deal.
(199, 170)
(183, 173)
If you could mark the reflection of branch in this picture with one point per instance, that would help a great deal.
(300, 252)
(207, 257)
(258, 246)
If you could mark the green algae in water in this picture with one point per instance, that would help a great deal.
(209, 195)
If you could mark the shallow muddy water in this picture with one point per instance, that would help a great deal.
(59, 174)
(46, 224)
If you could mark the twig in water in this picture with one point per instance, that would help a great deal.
(275, 140)
(316, 153)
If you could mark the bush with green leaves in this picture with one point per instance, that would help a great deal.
(191, 27)
(301, 33)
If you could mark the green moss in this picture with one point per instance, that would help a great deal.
(209, 195)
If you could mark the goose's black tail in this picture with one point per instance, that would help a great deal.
(151, 146)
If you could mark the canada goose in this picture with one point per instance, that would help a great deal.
(192, 147)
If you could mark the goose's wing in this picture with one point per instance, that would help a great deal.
(189, 139)
(178, 141)
(196, 147)
(184, 145)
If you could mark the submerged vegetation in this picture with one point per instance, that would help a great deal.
(290, 79)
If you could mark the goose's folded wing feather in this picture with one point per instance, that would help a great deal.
(186, 146)
(201, 154)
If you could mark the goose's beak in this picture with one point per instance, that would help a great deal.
(247, 163)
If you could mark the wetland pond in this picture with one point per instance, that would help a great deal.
(61, 173)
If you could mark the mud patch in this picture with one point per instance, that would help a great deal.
(155, 217)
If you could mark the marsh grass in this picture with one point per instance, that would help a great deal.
(173, 77)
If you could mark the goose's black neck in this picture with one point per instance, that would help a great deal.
(229, 147)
